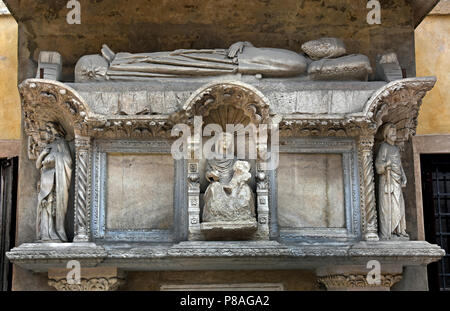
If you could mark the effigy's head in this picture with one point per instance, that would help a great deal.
(390, 132)
(225, 142)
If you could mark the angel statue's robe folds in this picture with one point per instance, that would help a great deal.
(391, 208)
(53, 194)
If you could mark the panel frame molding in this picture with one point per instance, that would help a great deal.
(100, 232)
(347, 147)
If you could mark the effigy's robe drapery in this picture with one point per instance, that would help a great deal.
(170, 64)
(391, 202)
(270, 62)
(54, 187)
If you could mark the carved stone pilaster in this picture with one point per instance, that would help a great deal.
(358, 282)
(82, 189)
(367, 182)
(90, 279)
(193, 176)
(262, 203)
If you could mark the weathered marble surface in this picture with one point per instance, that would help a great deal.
(241, 57)
(139, 191)
(168, 96)
(381, 105)
(55, 165)
(392, 178)
(311, 191)
(248, 255)
(228, 197)
(324, 48)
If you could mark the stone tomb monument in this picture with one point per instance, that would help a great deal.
(136, 207)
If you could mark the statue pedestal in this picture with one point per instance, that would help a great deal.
(229, 229)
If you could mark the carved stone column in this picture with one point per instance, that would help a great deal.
(366, 173)
(82, 189)
(89, 279)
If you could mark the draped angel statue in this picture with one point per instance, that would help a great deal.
(392, 178)
(55, 165)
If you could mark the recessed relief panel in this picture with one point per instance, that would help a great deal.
(139, 191)
(311, 191)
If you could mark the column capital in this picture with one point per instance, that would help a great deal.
(354, 282)
(359, 278)
(90, 279)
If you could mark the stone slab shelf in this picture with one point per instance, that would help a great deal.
(223, 255)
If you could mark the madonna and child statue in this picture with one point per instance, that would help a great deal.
(229, 205)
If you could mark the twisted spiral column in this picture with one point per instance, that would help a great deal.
(368, 205)
(82, 189)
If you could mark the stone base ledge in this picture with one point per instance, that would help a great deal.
(229, 230)
(40, 257)
(243, 255)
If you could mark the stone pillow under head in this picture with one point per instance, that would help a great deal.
(324, 48)
(350, 67)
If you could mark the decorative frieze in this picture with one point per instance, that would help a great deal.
(139, 127)
(343, 127)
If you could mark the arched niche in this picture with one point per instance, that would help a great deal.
(226, 103)
(399, 102)
(50, 101)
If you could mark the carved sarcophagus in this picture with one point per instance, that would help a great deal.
(157, 184)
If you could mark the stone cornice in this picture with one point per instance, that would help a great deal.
(226, 255)
(45, 100)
